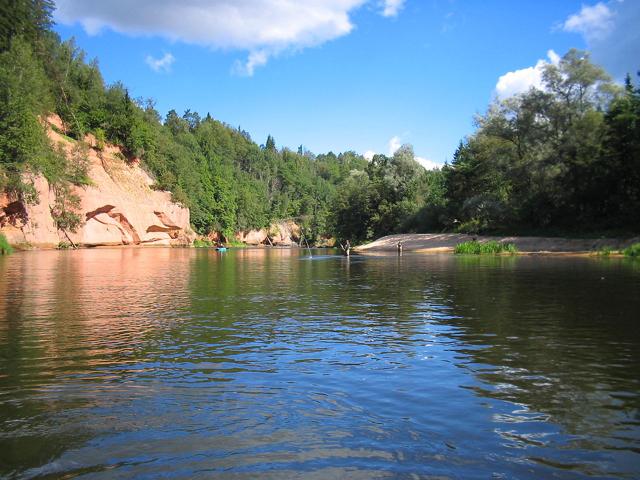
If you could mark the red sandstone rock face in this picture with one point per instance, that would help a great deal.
(280, 234)
(285, 233)
(215, 237)
(118, 208)
(253, 237)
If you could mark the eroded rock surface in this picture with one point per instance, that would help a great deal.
(285, 233)
(118, 208)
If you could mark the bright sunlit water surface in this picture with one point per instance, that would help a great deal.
(183, 363)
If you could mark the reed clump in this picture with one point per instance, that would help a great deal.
(605, 251)
(632, 251)
(203, 243)
(485, 248)
(5, 248)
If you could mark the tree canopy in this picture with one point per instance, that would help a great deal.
(561, 158)
(565, 157)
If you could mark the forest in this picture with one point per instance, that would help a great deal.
(564, 159)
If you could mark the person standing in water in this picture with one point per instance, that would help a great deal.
(346, 248)
(399, 248)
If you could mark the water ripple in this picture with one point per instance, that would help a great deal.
(143, 363)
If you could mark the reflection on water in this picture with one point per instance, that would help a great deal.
(148, 362)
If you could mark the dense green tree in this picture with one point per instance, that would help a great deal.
(29, 19)
(391, 195)
(352, 209)
(270, 143)
(24, 96)
(564, 157)
(546, 159)
(619, 169)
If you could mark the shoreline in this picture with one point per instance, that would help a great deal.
(49, 247)
(416, 243)
(432, 243)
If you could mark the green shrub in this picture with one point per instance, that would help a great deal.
(632, 251)
(484, 248)
(64, 246)
(203, 243)
(471, 227)
(509, 248)
(236, 244)
(101, 138)
(66, 209)
(5, 248)
(467, 248)
(605, 251)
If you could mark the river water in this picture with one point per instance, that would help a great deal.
(184, 363)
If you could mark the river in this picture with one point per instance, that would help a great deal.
(185, 363)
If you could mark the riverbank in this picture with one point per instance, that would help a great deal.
(118, 205)
(446, 242)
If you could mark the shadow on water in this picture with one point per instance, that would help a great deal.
(271, 363)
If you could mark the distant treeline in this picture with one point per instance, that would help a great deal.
(564, 158)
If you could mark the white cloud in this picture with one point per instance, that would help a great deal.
(594, 22)
(554, 57)
(256, 59)
(263, 28)
(428, 164)
(611, 33)
(161, 64)
(394, 144)
(519, 81)
(392, 8)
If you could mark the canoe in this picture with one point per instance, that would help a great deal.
(221, 249)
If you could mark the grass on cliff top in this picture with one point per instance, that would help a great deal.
(484, 248)
(5, 248)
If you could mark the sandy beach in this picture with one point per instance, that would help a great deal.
(445, 242)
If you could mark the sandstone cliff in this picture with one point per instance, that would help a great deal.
(285, 233)
(118, 208)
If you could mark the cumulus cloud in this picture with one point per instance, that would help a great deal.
(368, 155)
(263, 28)
(256, 59)
(428, 164)
(394, 144)
(594, 22)
(519, 81)
(391, 8)
(160, 64)
(611, 32)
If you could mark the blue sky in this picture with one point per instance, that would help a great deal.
(336, 75)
